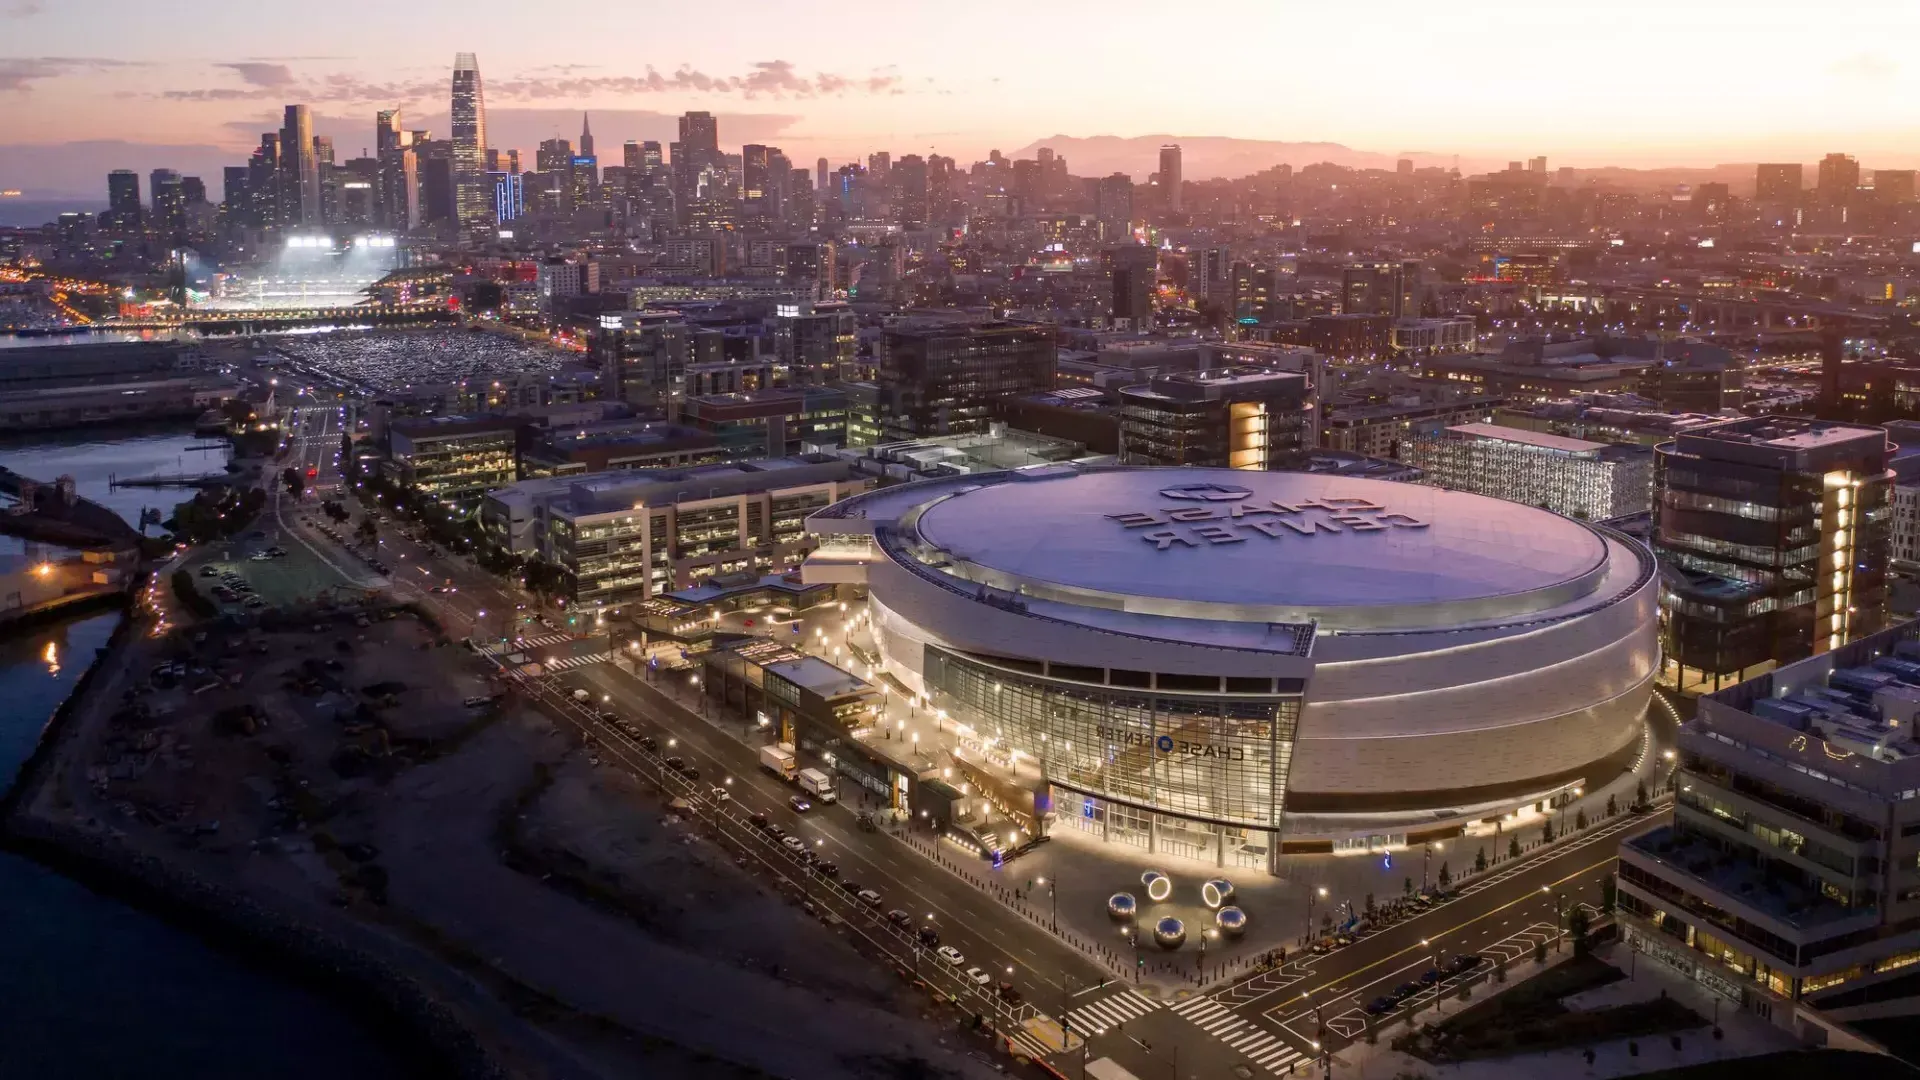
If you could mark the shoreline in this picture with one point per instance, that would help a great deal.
(424, 1035)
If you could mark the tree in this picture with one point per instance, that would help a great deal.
(1609, 893)
(1500, 970)
(1539, 952)
(1546, 832)
(1578, 927)
(1446, 877)
(1326, 922)
(1612, 807)
(1480, 861)
(369, 532)
(1639, 796)
(296, 483)
(1580, 818)
(1513, 847)
(1369, 905)
(1406, 887)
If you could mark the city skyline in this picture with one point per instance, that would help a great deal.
(839, 83)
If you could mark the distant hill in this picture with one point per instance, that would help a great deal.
(1207, 157)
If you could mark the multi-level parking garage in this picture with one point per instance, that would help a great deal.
(1247, 662)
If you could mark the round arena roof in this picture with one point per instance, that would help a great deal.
(1219, 543)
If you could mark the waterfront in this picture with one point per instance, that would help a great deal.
(93, 988)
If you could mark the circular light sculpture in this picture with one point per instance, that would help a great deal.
(1159, 886)
(1170, 933)
(1217, 893)
(1231, 921)
(1122, 907)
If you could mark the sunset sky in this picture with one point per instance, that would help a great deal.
(1586, 82)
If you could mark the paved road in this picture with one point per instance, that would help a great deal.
(1270, 1024)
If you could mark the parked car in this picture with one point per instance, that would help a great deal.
(1463, 963)
(649, 744)
(757, 820)
(979, 978)
(929, 937)
(899, 918)
(794, 844)
(950, 954)
(869, 898)
(1009, 994)
(1383, 1004)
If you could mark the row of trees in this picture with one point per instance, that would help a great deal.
(215, 513)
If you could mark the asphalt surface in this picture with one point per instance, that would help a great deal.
(1276, 1023)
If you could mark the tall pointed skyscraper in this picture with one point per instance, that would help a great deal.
(586, 138)
(472, 194)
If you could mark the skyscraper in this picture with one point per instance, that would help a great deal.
(759, 186)
(299, 170)
(1839, 176)
(586, 138)
(820, 175)
(387, 134)
(169, 201)
(694, 163)
(397, 192)
(1777, 183)
(123, 198)
(1170, 178)
(472, 194)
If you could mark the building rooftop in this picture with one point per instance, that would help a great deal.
(1787, 432)
(1538, 439)
(819, 676)
(586, 494)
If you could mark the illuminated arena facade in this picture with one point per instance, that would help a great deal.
(1252, 662)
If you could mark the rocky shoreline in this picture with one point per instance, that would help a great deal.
(346, 962)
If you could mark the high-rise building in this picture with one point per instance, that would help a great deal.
(472, 194)
(820, 175)
(1839, 177)
(1210, 277)
(760, 200)
(1134, 270)
(1390, 289)
(909, 178)
(387, 134)
(123, 199)
(586, 138)
(1778, 183)
(1537, 165)
(299, 170)
(1892, 187)
(1113, 203)
(397, 190)
(1231, 418)
(169, 201)
(1773, 538)
(946, 378)
(698, 166)
(1170, 179)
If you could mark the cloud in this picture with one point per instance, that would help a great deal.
(776, 79)
(1868, 66)
(19, 73)
(20, 9)
(254, 73)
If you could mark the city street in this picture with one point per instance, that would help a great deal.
(1275, 1022)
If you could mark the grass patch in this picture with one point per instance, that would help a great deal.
(1529, 1018)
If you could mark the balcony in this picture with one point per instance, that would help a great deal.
(1738, 881)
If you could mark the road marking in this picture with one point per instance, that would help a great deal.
(1102, 1013)
(1528, 897)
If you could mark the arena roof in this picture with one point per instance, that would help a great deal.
(1256, 544)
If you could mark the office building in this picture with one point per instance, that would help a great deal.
(169, 201)
(1171, 197)
(299, 170)
(1390, 289)
(123, 199)
(1839, 179)
(1893, 187)
(1773, 537)
(1134, 271)
(622, 537)
(770, 423)
(817, 340)
(947, 378)
(1210, 278)
(1790, 875)
(1378, 425)
(699, 169)
(472, 194)
(454, 459)
(1228, 418)
(1587, 480)
(1778, 183)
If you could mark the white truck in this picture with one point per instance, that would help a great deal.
(817, 784)
(777, 760)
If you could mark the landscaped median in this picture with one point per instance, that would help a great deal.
(1529, 1018)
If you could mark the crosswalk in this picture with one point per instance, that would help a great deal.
(541, 639)
(567, 663)
(1253, 1042)
(1095, 1017)
(1023, 1043)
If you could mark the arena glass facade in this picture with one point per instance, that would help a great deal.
(1212, 768)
